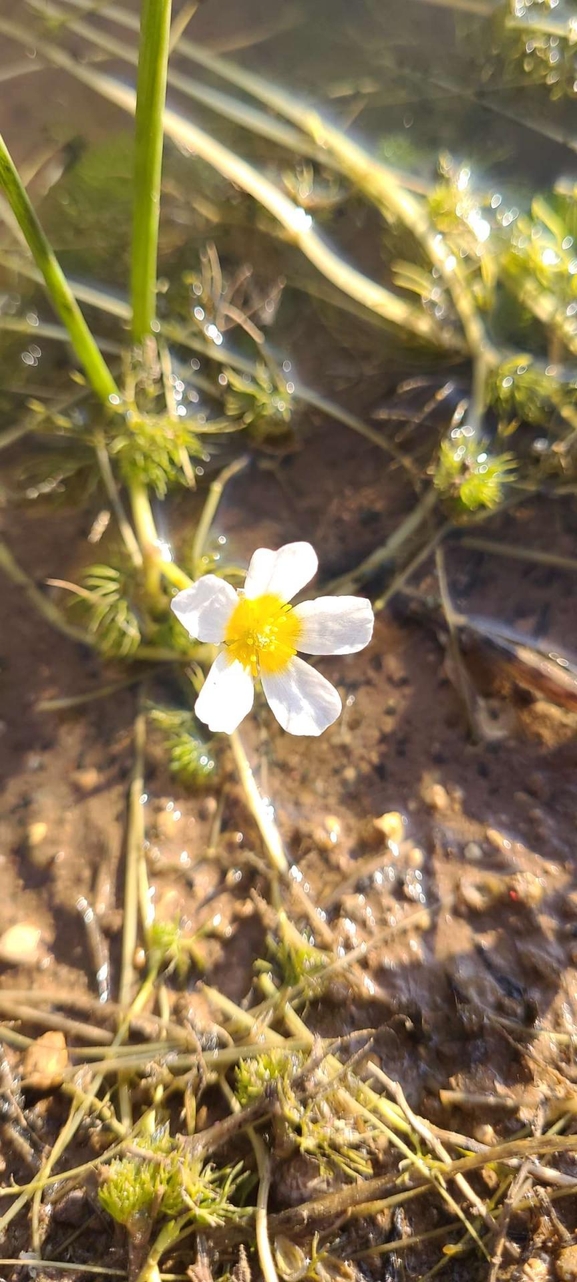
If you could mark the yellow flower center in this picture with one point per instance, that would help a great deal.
(262, 634)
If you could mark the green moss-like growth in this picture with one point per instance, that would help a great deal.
(468, 478)
(167, 1183)
(190, 760)
(262, 403)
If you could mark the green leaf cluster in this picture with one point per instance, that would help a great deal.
(540, 52)
(319, 1125)
(168, 1183)
(264, 403)
(110, 617)
(189, 759)
(154, 450)
(467, 477)
(523, 391)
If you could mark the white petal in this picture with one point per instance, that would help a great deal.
(302, 700)
(226, 696)
(205, 608)
(284, 572)
(335, 624)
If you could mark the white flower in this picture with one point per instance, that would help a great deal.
(261, 634)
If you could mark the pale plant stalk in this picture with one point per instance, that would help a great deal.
(260, 812)
(134, 859)
(263, 1162)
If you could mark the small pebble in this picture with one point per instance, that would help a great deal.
(473, 852)
(391, 825)
(45, 1062)
(526, 888)
(19, 945)
(39, 853)
(566, 1264)
(165, 823)
(437, 797)
(415, 857)
(536, 1269)
(35, 833)
(484, 1133)
(86, 780)
(327, 834)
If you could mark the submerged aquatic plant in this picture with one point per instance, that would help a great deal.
(468, 477)
(261, 634)
(189, 758)
(263, 402)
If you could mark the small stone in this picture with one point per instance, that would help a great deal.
(327, 834)
(19, 945)
(437, 797)
(415, 857)
(165, 822)
(484, 1133)
(536, 1269)
(35, 833)
(86, 780)
(45, 1062)
(499, 841)
(39, 852)
(207, 808)
(566, 1264)
(526, 888)
(473, 852)
(349, 775)
(391, 825)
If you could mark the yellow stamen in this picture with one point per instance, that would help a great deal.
(262, 634)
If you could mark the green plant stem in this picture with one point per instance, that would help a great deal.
(150, 99)
(147, 536)
(130, 543)
(168, 1235)
(61, 295)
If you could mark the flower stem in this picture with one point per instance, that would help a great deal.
(260, 812)
(147, 536)
(64, 302)
(150, 99)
